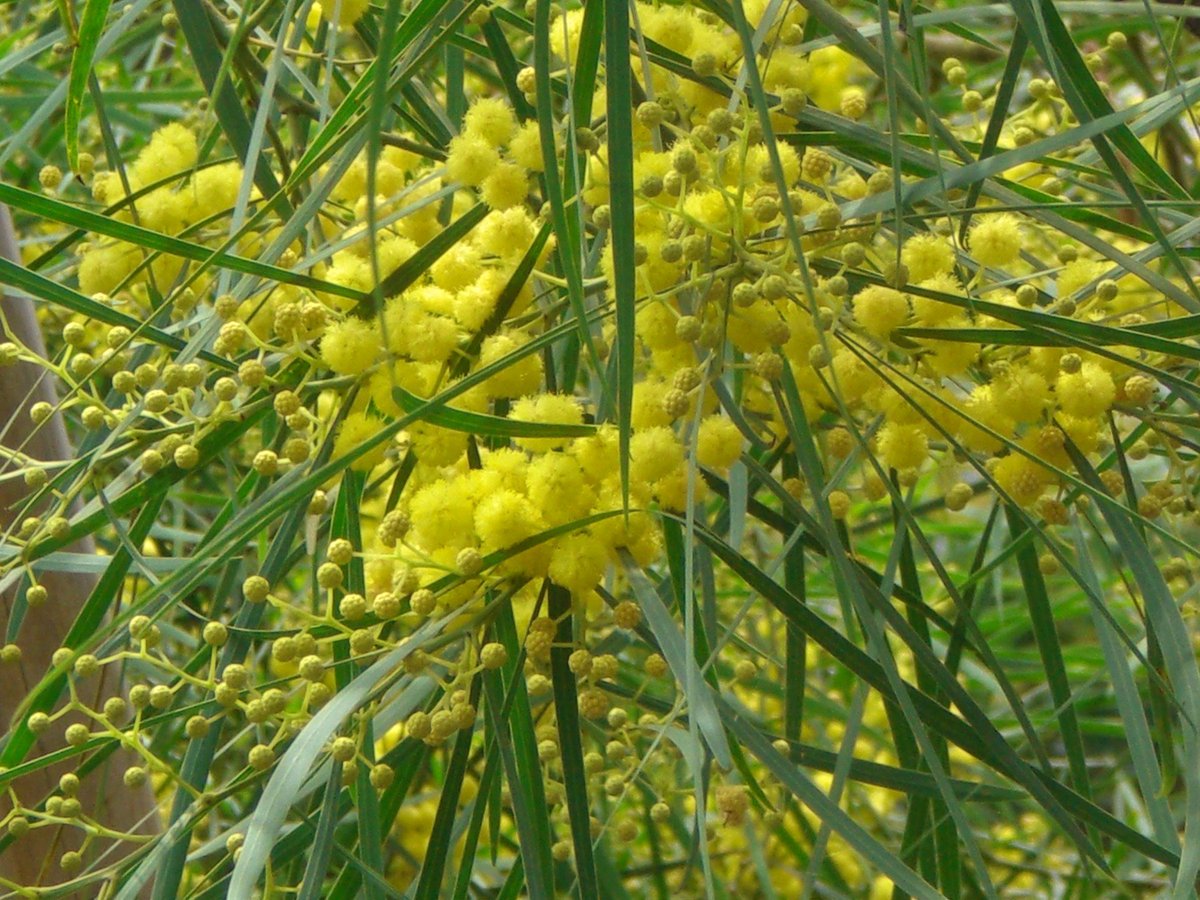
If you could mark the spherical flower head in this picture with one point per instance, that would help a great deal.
(654, 453)
(351, 346)
(50, 177)
(674, 490)
(214, 189)
(880, 310)
(506, 186)
(457, 268)
(521, 377)
(578, 563)
(557, 486)
(405, 315)
(525, 147)
(719, 443)
(471, 159)
(436, 446)
(171, 150)
(506, 233)
(951, 358)
(490, 119)
(505, 518)
(593, 703)
(980, 418)
(102, 268)
(1086, 393)
(442, 515)
(1139, 389)
(357, 428)
(1021, 394)
(853, 103)
(931, 311)
(1021, 478)
(649, 409)
(902, 446)
(926, 256)
(598, 452)
(732, 803)
(549, 409)
(164, 210)
(1076, 274)
(816, 165)
(758, 164)
(995, 238)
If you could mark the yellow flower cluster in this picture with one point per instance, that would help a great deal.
(772, 301)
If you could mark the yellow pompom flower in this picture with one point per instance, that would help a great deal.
(357, 428)
(948, 358)
(648, 404)
(214, 189)
(578, 563)
(1087, 393)
(902, 445)
(457, 268)
(506, 233)
(509, 464)
(506, 186)
(436, 446)
(564, 35)
(995, 238)
(351, 346)
(1021, 394)
(852, 378)
(758, 163)
(933, 312)
(442, 515)
(718, 443)
(1076, 274)
(549, 409)
(102, 268)
(671, 26)
(471, 159)
(171, 150)
(557, 486)
(525, 147)
(522, 377)
(597, 453)
(980, 418)
(653, 454)
(880, 310)
(927, 255)
(1084, 432)
(490, 119)
(505, 518)
(1021, 478)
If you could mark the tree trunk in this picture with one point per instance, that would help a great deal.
(34, 858)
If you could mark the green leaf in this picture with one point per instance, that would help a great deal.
(435, 412)
(212, 64)
(815, 799)
(566, 707)
(294, 766)
(57, 211)
(700, 696)
(619, 99)
(91, 27)
(43, 288)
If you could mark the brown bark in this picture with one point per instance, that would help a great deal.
(33, 859)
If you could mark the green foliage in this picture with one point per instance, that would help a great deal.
(530, 450)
